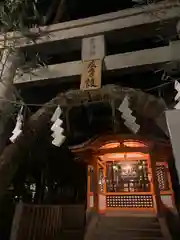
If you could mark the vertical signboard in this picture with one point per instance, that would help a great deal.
(91, 76)
(93, 52)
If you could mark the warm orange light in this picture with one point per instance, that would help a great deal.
(110, 145)
(134, 155)
(123, 156)
(112, 156)
(134, 144)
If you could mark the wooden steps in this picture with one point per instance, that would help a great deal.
(125, 228)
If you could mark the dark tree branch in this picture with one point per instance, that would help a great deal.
(60, 11)
(51, 11)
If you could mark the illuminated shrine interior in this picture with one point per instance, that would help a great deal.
(123, 174)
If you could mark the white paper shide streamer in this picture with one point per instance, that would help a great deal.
(177, 97)
(130, 121)
(18, 128)
(57, 128)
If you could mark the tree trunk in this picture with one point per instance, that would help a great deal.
(8, 65)
(15, 153)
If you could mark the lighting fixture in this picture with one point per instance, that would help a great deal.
(110, 145)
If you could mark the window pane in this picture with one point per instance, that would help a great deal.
(127, 177)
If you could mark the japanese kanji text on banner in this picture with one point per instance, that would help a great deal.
(91, 76)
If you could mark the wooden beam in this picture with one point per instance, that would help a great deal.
(121, 150)
(119, 62)
(120, 20)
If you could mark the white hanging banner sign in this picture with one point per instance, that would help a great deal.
(177, 97)
(127, 116)
(57, 128)
(56, 114)
(18, 128)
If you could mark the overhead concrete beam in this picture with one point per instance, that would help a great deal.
(118, 62)
(162, 12)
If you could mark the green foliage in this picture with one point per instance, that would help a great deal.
(16, 15)
(19, 16)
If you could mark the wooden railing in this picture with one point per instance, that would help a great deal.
(38, 222)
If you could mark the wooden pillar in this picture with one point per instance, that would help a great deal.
(93, 52)
(88, 186)
(96, 189)
(159, 205)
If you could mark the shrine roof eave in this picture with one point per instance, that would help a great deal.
(94, 145)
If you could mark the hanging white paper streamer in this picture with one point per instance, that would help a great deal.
(56, 114)
(177, 97)
(127, 116)
(57, 129)
(18, 128)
